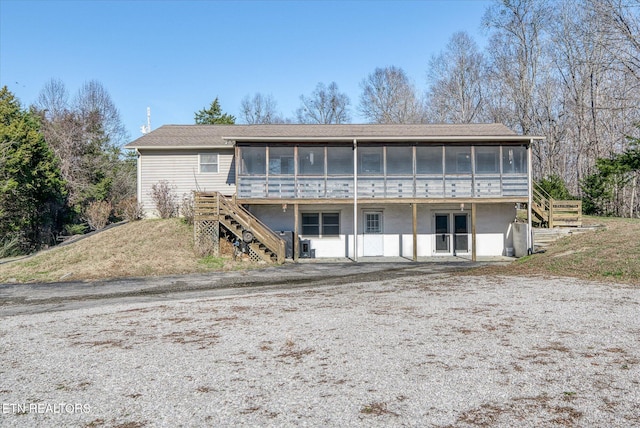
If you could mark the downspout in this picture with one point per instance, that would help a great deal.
(139, 177)
(355, 200)
(530, 197)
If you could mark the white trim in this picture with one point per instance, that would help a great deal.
(494, 139)
(355, 200)
(451, 224)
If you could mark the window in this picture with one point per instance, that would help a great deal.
(281, 161)
(487, 160)
(311, 224)
(399, 160)
(514, 160)
(311, 160)
(330, 224)
(339, 160)
(252, 161)
(458, 160)
(208, 162)
(370, 160)
(321, 224)
(373, 223)
(429, 159)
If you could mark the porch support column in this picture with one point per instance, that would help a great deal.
(355, 200)
(295, 233)
(473, 231)
(414, 207)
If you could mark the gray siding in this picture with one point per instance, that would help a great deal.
(181, 169)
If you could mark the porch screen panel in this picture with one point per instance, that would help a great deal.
(310, 160)
(514, 171)
(370, 160)
(253, 161)
(340, 160)
(399, 160)
(281, 161)
(514, 159)
(457, 168)
(487, 160)
(487, 170)
(339, 172)
(399, 172)
(429, 159)
(458, 160)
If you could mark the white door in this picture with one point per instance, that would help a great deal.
(373, 239)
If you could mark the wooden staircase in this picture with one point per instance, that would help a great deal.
(263, 243)
(550, 213)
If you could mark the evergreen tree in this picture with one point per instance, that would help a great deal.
(214, 116)
(31, 190)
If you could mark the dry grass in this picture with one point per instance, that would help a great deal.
(611, 253)
(141, 248)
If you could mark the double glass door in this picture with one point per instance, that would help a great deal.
(451, 240)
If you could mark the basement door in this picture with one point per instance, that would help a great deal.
(372, 239)
(443, 237)
(460, 233)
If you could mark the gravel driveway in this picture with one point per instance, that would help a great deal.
(439, 350)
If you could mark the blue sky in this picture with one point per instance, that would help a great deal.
(176, 57)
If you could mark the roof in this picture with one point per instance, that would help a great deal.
(212, 136)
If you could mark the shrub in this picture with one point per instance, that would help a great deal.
(555, 186)
(187, 208)
(97, 214)
(130, 209)
(164, 198)
(75, 229)
(10, 246)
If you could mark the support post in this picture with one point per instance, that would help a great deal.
(414, 207)
(296, 250)
(355, 200)
(473, 232)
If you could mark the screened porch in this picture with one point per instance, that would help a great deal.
(390, 171)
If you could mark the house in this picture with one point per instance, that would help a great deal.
(406, 190)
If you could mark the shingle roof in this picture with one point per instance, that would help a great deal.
(177, 136)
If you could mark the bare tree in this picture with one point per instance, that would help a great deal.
(621, 31)
(53, 99)
(259, 109)
(457, 79)
(517, 52)
(388, 96)
(99, 113)
(326, 105)
(85, 137)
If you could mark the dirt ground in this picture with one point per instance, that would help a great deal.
(326, 345)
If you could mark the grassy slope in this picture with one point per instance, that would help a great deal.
(608, 254)
(165, 247)
(143, 248)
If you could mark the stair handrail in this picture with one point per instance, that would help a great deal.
(541, 197)
(248, 221)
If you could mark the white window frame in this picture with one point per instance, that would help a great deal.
(201, 163)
